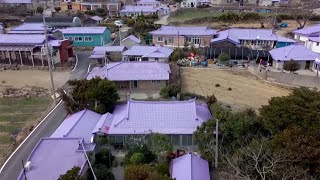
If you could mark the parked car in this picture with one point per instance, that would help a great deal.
(118, 22)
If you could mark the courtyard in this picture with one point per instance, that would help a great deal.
(238, 89)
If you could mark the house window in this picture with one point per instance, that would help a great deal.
(186, 140)
(160, 39)
(318, 43)
(69, 7)
(196, 40)
(88, 38)
(189, 39)
(69, 37)
(170, 40)
(155, 81)
(175, 140)
(78, 39)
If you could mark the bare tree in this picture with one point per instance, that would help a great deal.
(302, 14)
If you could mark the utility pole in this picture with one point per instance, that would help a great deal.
(49, 60)
(85, 153)
(216, 150)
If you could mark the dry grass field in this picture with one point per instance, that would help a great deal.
(247, 91)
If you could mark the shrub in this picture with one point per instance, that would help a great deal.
(291, 66)
(224, 57)
(211, 100)
(57, 9)
(170, 91)
(163, 168)
(229, 88)
(177, 54)
(250, 16)
(90, 12)
(229, 17)
(187, 96)
(148, 155)
(137, 158)
(130, 22)
(217, 85)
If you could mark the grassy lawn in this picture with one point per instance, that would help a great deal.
(15, 115)
(187, 14)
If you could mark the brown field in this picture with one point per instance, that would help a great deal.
(247, 90)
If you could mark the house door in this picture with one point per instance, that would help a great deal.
(307, 65)
(134, 84)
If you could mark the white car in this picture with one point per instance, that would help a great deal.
(118, 23)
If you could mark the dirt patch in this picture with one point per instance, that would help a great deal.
(238, 89)
(36, 78)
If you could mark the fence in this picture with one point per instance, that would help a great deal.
(238, 53)
(287, 78)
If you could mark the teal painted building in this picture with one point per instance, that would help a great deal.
(87, 36)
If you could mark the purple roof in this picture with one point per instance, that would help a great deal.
(235, 35)
(82, 124)
(149, 51)
(129, 9)
(83, 30)
(53, 157)
(190, 167)
(28, 28)
(132, 71)
(22, 39)
(166, 117)
(284, 39)
(295, 52)
(133, 38)
(16, 1)
(100, 51)
(314, 39)
(97, 18)
(307, 31)
(185, 31)
(148, 2)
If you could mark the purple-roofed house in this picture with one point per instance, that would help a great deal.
(193, 3)
(303, 34)
(148, 53)
(137, 10)
(177, 119)
(147, 76)
(173, 36)
(84, 124)
(130, 41)
(105, 54)
(296, 52)
(190, 167)
(52, 157)
(29, 49)
(92, 21)
(153, 3)
(313, 43)
(251, 38)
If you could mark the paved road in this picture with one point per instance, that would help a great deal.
(14, 166)
(123, 34)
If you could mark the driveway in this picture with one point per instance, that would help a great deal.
(13, 167)
(163, 20)
(123, 34)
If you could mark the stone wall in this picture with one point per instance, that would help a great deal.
(28, 91)
(19, 67)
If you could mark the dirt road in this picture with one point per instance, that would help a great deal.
(247, 91)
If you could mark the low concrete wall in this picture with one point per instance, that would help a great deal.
(287, 78)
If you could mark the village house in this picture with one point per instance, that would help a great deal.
(153, 3)
(84, 124)
(190, 167)
(87, 36)
(177, 119)
(21, 6)
(137, 10)
(251, 38)
(56, 22)
(92, 21)
(146, 76)
(30, 28)
(173, 36)
(193, 3)
(304, 34)
(130, 41)
(313, 43)
(106, 54)
(29, 49)
(304, 56)
(52, 157)
(147, 53)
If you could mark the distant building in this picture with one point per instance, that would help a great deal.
(190, 167)
(87, 36)
(55, 22)
(193, 3)
(299, 53)
(106, 54)
(28, 49)
(147, 53)
(137, 10)
(303, 34)
(313, 43)
(130, 41)
(153, 3)
(92, 21)
(250, 38)
(30, 28)
(144, 76)
(173, 36)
